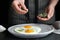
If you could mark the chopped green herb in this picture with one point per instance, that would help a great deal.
(21, 30)
(43, 15)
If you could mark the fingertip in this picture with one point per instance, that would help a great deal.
(26, 10)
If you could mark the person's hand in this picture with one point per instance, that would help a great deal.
(19, 6)
(50, 11)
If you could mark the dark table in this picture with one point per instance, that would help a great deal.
(7, 36)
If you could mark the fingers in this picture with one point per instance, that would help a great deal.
(50, 14)
(23, 10)
(18, 8)
(24, 7)
(44, 19)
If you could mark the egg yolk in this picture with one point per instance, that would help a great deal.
(29, 31)
(27, 26)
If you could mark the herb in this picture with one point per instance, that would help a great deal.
(20, 29)
(43, 15)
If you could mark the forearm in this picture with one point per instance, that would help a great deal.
(53, 3)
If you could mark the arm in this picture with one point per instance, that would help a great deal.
(49, 10)
(53, 3)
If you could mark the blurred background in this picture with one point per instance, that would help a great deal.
(4, 6)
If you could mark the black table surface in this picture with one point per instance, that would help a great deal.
(7, 36)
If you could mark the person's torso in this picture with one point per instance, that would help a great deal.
(35, 7)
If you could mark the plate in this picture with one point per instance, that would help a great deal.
(45, 30)
(56, 31)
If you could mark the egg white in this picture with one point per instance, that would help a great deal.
(36, 30)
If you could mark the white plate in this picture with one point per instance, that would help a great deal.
(45, 30)
(56, 31)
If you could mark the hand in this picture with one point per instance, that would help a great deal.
(50, 11)
(19, 6)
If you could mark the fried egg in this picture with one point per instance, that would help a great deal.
(28, 29)
(27, 26)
